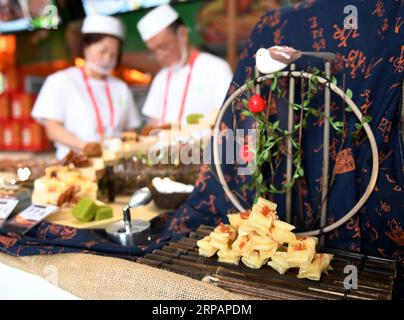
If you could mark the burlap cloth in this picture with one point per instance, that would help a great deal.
(89, 276)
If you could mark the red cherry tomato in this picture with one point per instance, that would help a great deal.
(256, 104)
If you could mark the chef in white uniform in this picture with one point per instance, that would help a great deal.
(190, 81)
(82, 106)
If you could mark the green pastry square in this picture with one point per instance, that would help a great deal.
(103, 212)
(85, 210)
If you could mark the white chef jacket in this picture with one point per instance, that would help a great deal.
(64, 97)
(210, 81)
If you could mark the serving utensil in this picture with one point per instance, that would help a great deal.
(128, 232)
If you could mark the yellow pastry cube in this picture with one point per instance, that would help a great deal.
(245, 228)
(219, 244)
(261, 216)
(263, 202)
(224, 233)
(243, 245)
(263, 243)
(253, 260)
(314, 270)
(301, 252)
(207, 252)
(266, 254)
(234, 220)
(279, 262)
(205, 242)
(282, 236)
(278, 224)
(228, 256)
(259, 229)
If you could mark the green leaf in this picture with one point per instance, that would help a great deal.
(279, 139)
(316, 70)
(296, 106)
(348, 109)
(334, 80)
(349, 93)
(300, 171)
(263, 157)
(294, 144)
(335, 127)
(272, 188)
(269, 145)
(367, 119)
(339, 124)
(274, 83)
(288, 185)
(262, 189)
(313, 111)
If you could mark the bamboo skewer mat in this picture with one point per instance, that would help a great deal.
(375, 275)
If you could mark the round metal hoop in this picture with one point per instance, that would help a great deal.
(358, 114)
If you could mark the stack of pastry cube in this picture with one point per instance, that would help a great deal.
(258, 237)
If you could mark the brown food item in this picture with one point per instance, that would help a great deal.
(148, 128)
(67, 196)
(130, 136)
(68, 158)
(79, 160)
(92, 150)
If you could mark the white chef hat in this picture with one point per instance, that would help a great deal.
(156, 21)
(103, 25)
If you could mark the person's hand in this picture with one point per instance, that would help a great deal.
(92, 149)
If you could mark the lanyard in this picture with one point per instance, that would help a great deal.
(192, 59)
(100, 128)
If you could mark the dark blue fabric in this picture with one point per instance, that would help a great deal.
(49, 238)
(372, 61)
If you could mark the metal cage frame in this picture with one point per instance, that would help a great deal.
(329, 86)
